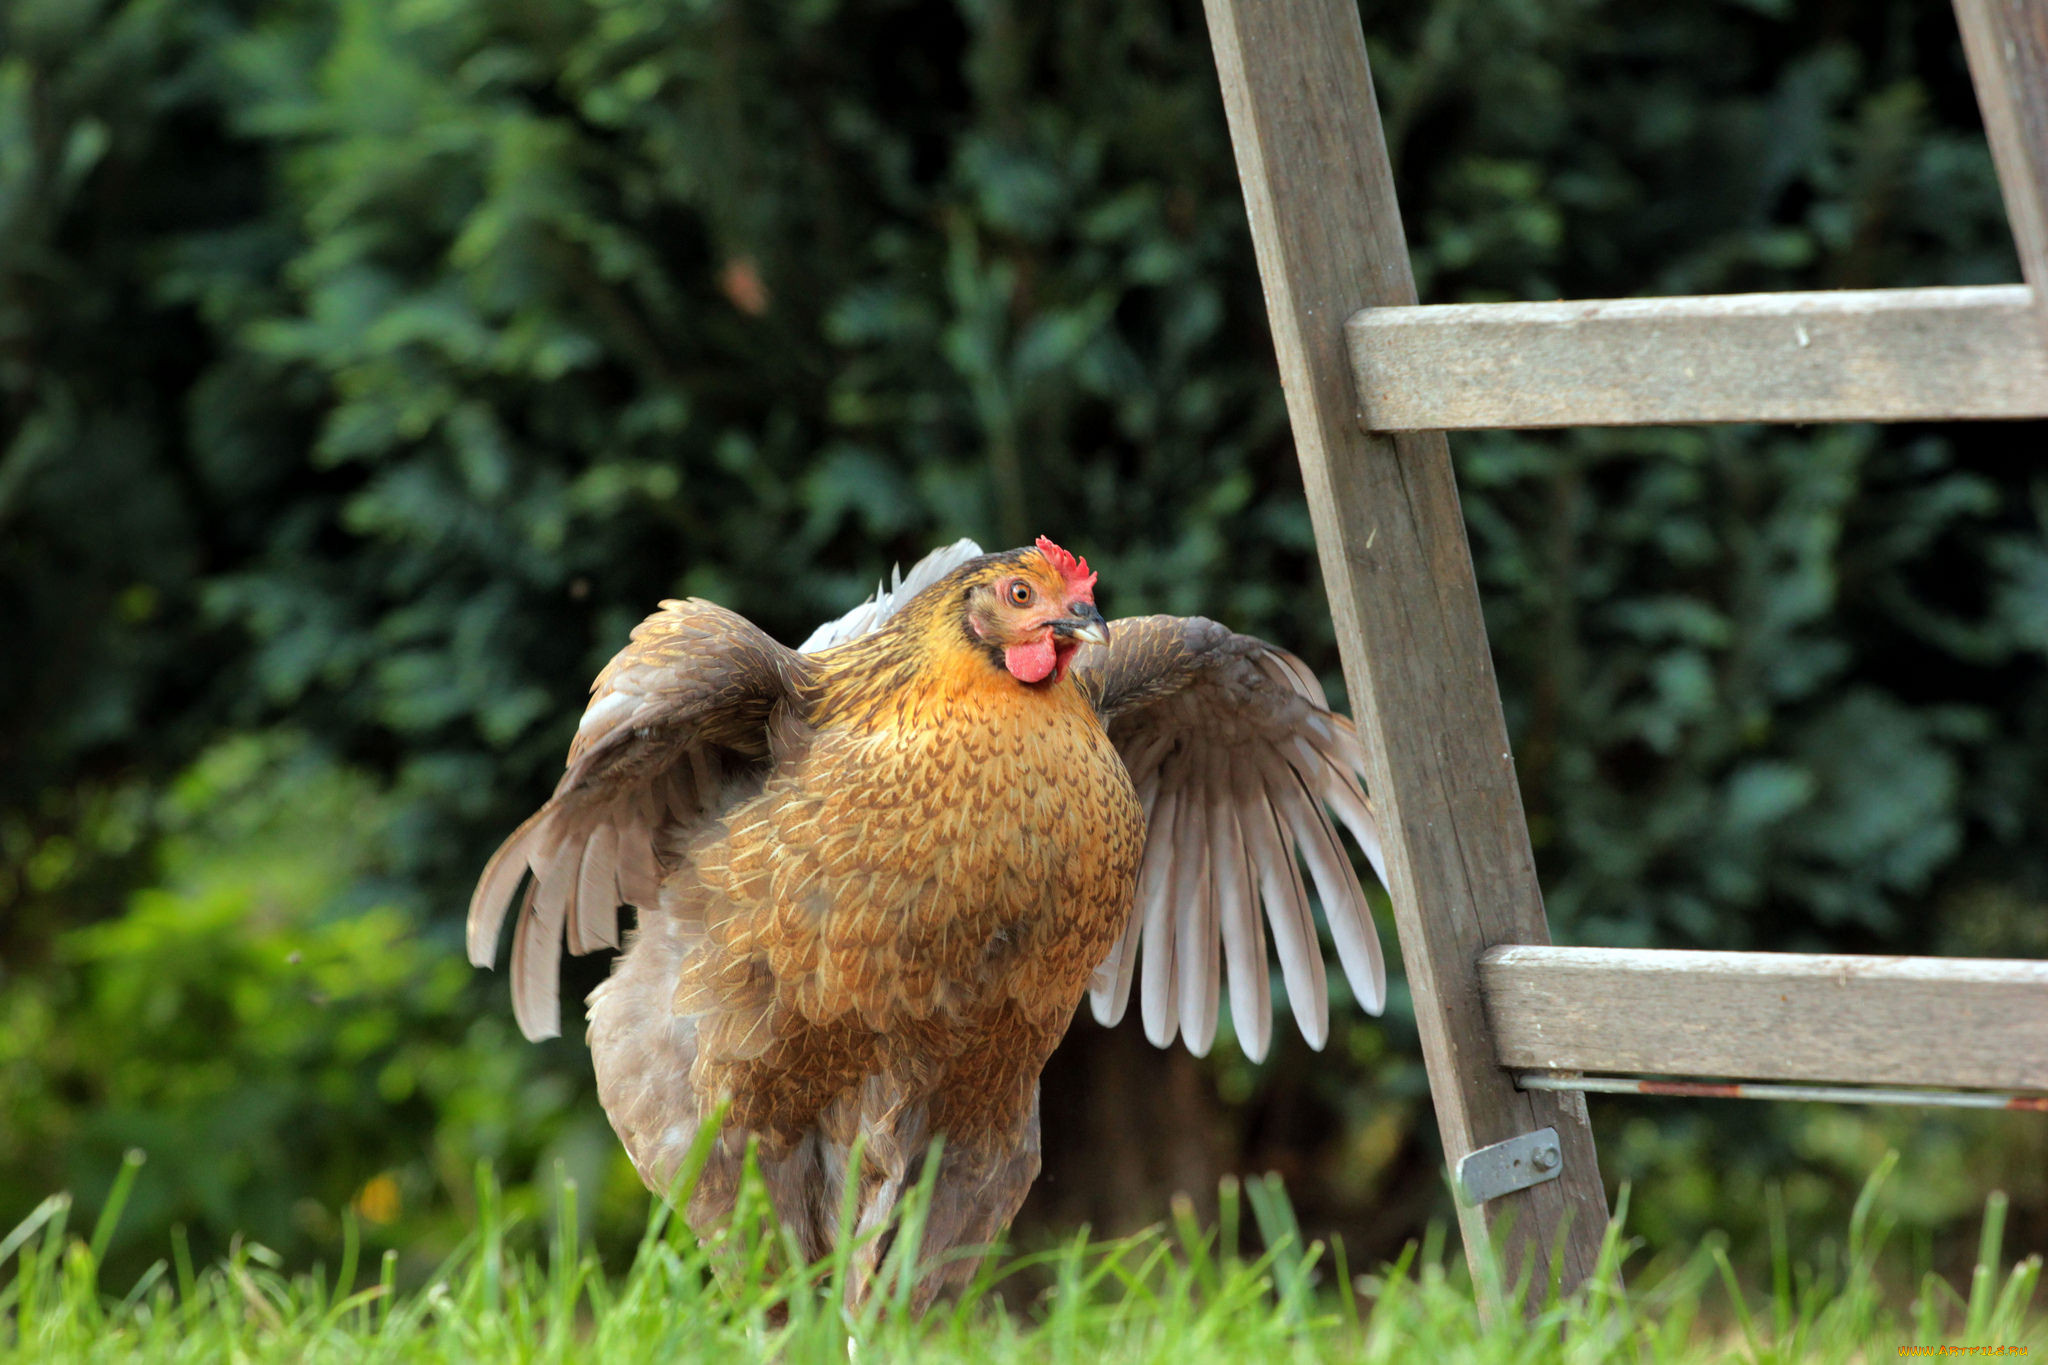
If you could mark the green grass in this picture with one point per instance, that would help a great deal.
(1171, 1294)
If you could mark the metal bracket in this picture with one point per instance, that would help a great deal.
(1505, 1167)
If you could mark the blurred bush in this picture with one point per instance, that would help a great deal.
(369, 367)
(268, 1026)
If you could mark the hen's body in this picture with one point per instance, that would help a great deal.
(887, 940)
(877, 875)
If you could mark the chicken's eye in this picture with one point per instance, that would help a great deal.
(1020, 592)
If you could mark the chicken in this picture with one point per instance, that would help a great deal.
(876, 875)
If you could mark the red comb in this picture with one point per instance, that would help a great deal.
(1075, 571)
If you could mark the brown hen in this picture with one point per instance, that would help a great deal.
(877, 874)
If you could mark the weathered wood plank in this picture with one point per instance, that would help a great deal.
(1313, 162)
(2006, 43)
(1878, 355)
(1962, 1022)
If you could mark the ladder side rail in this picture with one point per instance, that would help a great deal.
(2006, 45)
(1391, 538)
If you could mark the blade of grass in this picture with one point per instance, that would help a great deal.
(27, 1228)
(117, 1199)
(1984, 1276)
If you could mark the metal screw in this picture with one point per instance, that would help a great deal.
(1546, 1158)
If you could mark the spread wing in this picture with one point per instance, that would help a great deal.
(676, 718)
(1238, 762)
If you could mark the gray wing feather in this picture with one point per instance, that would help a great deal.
(1200, 934)
(1294, 932)
(1110, 995)
(1155, 904)
(1244, 934)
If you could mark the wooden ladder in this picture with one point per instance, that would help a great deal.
(1372, 384)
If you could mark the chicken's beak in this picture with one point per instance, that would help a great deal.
(1084, 624)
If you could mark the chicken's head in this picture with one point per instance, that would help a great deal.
(1037, 607)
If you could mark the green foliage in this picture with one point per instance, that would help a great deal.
(1730, 748)
(369, 367)
(102, 538)
(1184, 1294)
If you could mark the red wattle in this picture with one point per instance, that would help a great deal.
(1033, 662)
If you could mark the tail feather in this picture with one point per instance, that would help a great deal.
(890, 598)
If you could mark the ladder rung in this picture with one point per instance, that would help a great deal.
(1924, 1021)
(1874, 355)
(1779, 1090)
